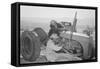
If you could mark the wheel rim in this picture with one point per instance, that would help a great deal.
(75, 47)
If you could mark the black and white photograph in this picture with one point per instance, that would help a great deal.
(52, 34)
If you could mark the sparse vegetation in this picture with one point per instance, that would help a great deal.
(88, 31)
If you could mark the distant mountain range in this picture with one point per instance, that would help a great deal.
(29, 23)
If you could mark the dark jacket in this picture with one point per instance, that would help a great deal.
(54, 29)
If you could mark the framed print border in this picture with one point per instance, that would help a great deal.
(15, 33)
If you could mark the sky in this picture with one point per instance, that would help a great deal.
(42, 15)
(52, 12)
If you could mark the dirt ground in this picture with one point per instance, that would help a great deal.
(41, 59)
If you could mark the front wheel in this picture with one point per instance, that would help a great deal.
(30, 46)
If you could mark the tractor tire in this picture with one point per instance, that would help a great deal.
(41, 34)
(75, 47)
(30, 46)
